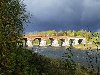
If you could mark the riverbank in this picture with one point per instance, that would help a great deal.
(52, 66)
(87, 47)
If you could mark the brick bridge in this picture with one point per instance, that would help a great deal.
(65, 40)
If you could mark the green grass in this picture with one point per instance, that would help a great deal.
(87, 46)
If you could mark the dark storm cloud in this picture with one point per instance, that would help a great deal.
(64, 14)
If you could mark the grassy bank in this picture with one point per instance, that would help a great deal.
(87, 47)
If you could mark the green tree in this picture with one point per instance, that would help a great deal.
(69, 65)
(12, 17)
(96, 34)
(69, 32)
(60, 33)
(51, 33)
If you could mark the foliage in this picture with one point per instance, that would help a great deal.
(35, 64)
(19, 62)
(82, 33)
(14, 60)
(12, 17)
(70, 65)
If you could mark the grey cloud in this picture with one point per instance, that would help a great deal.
(91, 11)
(56, 9)
(50, 14)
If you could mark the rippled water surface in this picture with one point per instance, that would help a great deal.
(85, 57)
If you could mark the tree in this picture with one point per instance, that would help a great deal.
(69, 32)
(95, 34)
(12, 17)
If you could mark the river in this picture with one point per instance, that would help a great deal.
(84, 57)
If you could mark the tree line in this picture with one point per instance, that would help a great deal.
(90, 36)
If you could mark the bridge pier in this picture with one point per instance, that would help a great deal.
(76, 41)
(55, 43)
(71, 42)
(84, 41)
(65, 43)
(25, 42)
(42, 42)
(61, 42)
(51, 40)
(29, 43)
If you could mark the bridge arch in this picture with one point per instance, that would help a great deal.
(36, 41)
(54, 40)
(80, 41)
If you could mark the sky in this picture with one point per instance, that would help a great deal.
(63, 15)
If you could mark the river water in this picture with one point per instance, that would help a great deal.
(84, 57)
